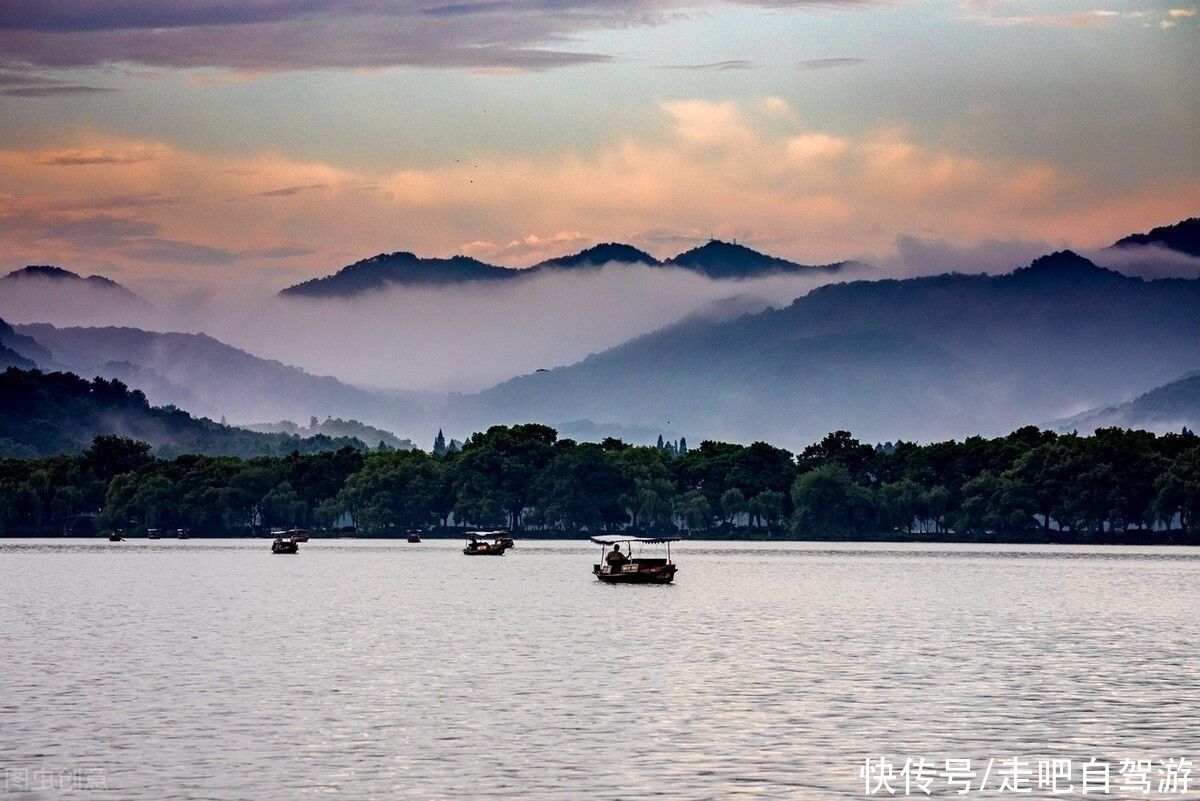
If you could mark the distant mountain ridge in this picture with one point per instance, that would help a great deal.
(715, 259)
(598, 256)
(46, 413)
(729, 260)
(919, 358)
(401, 268)
(201, 374)
(1170, 407)
(1183, 237)
(336, 427)
(49, 272)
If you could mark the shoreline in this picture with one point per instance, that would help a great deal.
(1175, 538)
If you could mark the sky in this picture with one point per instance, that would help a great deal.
(254, 143)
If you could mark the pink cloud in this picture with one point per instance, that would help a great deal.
(749, 170)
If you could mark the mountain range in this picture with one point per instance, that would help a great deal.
(198, 373)
(1173, 406)
(919, 358)
(1183, 237)
(715, 259)
(65, 279)
(47, 413)
(44, 293)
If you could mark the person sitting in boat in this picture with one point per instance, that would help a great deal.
(615, 558)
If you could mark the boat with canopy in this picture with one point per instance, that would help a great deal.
(478, 545)
(288, 541)
(622, 567)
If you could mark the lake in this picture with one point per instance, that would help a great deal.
(212, 669)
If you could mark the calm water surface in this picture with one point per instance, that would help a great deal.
(215, 670)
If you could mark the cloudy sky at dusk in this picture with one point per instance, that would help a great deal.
(264, 141)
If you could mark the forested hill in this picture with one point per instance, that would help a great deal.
(1167, 408)
(201, 374)
(919, 358)
(48, 413)
(65, 279)
(1183, 237)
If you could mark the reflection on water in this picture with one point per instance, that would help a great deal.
(213, 669)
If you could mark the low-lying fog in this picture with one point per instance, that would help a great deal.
(457, 337)
(467, 337)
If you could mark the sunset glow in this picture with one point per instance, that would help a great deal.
(269, 141)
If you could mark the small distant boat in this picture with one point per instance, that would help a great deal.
(115, 537)
(478, 545)
(285, 545)
(616, 567)
(152, 534)
(181, 534)
(414, 535)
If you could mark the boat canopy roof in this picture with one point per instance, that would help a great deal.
(613, 539)
(487, 535)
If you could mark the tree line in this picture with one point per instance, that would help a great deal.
(1029, 486)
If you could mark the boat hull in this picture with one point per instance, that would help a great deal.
(660, 574)
(284, 547)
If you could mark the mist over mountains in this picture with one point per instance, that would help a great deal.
(715, 259)
(65, 279)
(917, 358)
(1183, 237)
(198, 373)
(54, 293)
(1172, 406)
(47, 413)
(920, 358)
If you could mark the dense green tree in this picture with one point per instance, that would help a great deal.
(110, 456)
(497, 470)
(857, 459)
(393, 490)
(733, 503)
(769, 506)
(693, 510)
(828, 503)
(900, 505)
(655, 500)
(582, 488)
(1178, 492)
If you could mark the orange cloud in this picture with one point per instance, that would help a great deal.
(725, 169)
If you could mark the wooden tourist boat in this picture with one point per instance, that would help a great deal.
(478, 545)
(414, 535)
(115, 537)
(288, 540)
(285, 545)
(630, 569)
